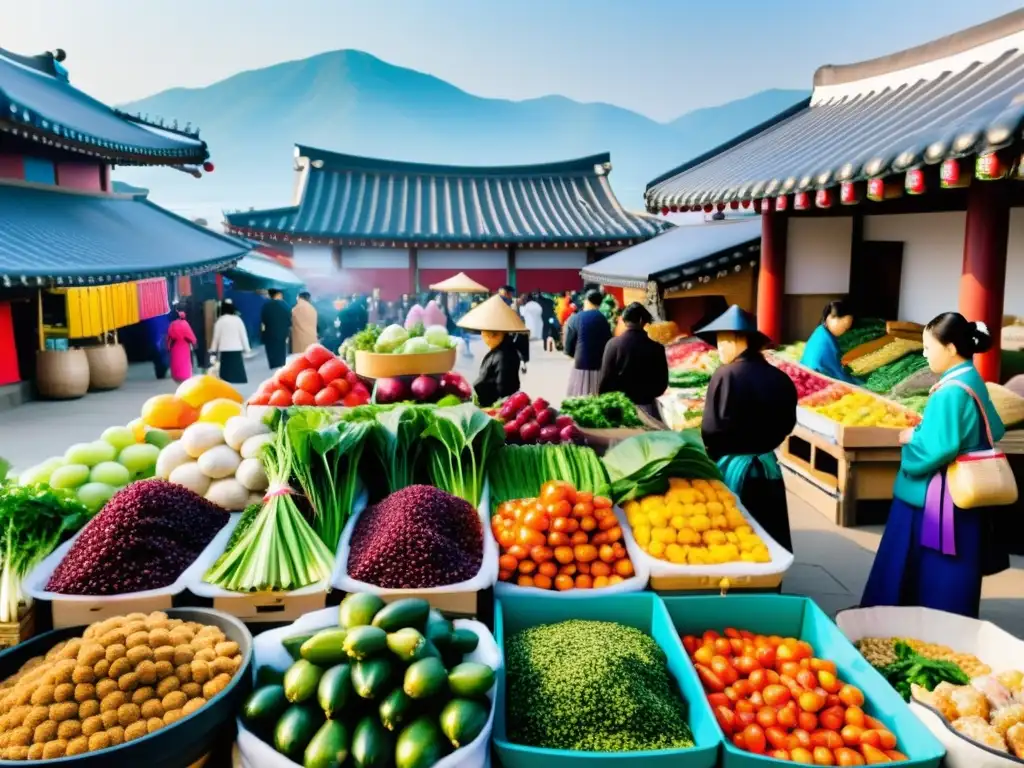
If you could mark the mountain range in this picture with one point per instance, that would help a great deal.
(353, 102)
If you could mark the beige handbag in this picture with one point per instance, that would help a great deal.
(981, 478)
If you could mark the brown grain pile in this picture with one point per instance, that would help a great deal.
(124, 678)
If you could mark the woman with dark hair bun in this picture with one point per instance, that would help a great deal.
(822, 351)
(932, 553)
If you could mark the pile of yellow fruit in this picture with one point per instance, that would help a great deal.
(695, 523)
(859, 409)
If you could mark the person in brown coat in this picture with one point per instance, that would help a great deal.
(303, 324)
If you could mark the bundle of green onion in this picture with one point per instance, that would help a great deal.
(279, 551)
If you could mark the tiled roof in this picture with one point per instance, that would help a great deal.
(52, 237)
(349, 198)
(38, 101)
(683, 254)
(870, 124)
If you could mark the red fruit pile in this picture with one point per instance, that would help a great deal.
(772, 696)
(806, 382)
(528, 423)
(317, 377)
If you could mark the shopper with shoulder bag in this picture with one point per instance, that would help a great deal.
(940, 539)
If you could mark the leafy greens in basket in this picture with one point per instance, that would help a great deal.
(642, 465)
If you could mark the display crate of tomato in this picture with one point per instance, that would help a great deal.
(316, 377)
(784, 684)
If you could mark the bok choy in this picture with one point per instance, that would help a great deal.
(459, 443)
(642, 465)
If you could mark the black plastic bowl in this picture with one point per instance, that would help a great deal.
(175, 746)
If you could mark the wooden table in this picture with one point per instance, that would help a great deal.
(839, 482)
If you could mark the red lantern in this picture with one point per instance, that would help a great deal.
(876, 189)
(801, 201)
(989, 167)
(208, 166)
(781, 203)
(914, 181)
(709, 208)
(758, 206)
(745, 204)
(696, 208)
(823, 198)
(849, 193)
(674, 208)
(949, 173)
(734, 204)
(720, 207)
(664, 211)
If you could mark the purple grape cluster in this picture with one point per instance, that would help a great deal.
(416, 538)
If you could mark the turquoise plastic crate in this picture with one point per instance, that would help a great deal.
(642, 610)
(800, 617)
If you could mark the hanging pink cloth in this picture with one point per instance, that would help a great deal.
(180, 340)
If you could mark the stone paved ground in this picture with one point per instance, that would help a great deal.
(831, 566)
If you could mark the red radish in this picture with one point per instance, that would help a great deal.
(331, 370)
(352, 378)
(309, 381)
(570, 434)
(388, 391)
(506, 413)
(529, 431)
(361, 390)
(423, 388)
(563, 421)
(317, 355)
(281, 398)
(511, 432)
(521, 400)
(548, 434)
(546, 416)
(539, 405)
(302, 397)
(327, 396)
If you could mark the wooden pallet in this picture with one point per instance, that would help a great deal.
(79, 613)
(833, 479)
(15, 632)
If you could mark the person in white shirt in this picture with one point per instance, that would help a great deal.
(533, 315)
(230, 343)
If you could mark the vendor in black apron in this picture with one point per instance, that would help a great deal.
(749, 410)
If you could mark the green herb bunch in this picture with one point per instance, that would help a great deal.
(911, 668)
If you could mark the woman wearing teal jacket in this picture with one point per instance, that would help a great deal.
(930, 555)
(822, 353)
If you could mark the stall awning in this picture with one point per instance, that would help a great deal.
(682, 254)
(956, 97)
(256, 273)
(57, 238)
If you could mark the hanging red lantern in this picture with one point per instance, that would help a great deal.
(674, 208)
(823, 198)
(758, 206)
(801, 201)
(949, 173)
(745, 204)
(664, 211)
(720, 207)
(208, 166)
(709, 208)
(734, 204)
(696, 208)
(914, 181)
(849, 193)
(989, 167)
(876, 189)
(781, 203)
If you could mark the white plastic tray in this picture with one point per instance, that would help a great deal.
(268, 651)
(636, 583)
(34, 585)
(485, 577)
(197, 586)
(781, 560)
(992, 645)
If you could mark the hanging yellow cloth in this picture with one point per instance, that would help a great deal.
(96, 310)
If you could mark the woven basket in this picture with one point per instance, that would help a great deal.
(1008, 404)
(62, 374)
(108, 366)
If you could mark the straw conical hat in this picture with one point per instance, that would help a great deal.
(493, 315)
(460, 283)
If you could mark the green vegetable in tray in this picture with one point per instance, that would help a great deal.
(882, 380)
(642, 465)
(862, 332)
(592, 686)
(459, 443)
(519, 471)
(612, 410)
(911, 668)
(688, 379)
(396, 442)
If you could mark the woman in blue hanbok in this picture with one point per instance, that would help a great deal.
(822, 353)
(933, 554)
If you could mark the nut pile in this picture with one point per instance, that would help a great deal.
(124, 678)
(880, 652)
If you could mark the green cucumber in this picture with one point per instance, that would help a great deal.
(293, 644)
(372, 745)
(335, 690)
(325, 648)
(301, 681)
(425, 678)
(329, 747)
(420, 744)
(465, 640)
(394, 709)
(406, 643)
(358, 609)
(371, 678)
(439, 629)
(264, 707)
(410, 612)
(296, 728)
(268, 676)
(471, 679)
(463, 720)
(363, 642)
(426, 651)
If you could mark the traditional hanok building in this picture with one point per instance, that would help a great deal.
(897, 183)
(63, 230)
(357, 224)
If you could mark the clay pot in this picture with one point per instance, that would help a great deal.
(62, 374)
(108, 366)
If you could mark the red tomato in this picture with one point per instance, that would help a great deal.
(800, 738)
(758, 679)
(360, 389)
(789, 716)
(777, 737)
(285, 377)
(309, 381)
(780, 754)
(754, 739)
(811, 701)
(832, 718)
(332, 369)
(855, 716)
(302, 397)
(746, 664)
(823, 756)
(327, 396)
(766, 656)
(847, 756)
(718, 700)
(807, 679)
(776, 695)
(726, 720)
(873, 755)
(721, 667)
(317, 355)
(260, 398)
(829, 739)
(702, 655)
(896, 756)
(723, 647)
(829, 681)
(711, 681)
(282, 398)
(807, 720)
(342, 386)
(691, 644)
(851, 696)
(352, 399)
(352, 379)
(802, 756)
(767, 717)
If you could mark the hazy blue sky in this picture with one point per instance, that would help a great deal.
(658, 57)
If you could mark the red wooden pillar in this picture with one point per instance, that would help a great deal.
(771, 277)
(983, 279)
(218, 282)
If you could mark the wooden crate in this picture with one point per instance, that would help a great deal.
(848, 437)
(270, 607)
(15, 632)
(79, 613)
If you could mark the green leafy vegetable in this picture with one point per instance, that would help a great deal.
(396, 441)
(519, 471)
(459, 442)
(883, 379)
(862, 332)
(608, 411)
(688, 379)
(910, 668)
(642, 465)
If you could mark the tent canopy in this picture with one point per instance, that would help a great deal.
(254, 273)
(460, 283)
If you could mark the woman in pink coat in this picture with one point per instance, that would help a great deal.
(180, 340)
